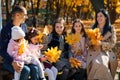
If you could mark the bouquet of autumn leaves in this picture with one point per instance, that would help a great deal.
(72, 39)
(94, 35)
(75, 63)
(23, 46)
(53, 54)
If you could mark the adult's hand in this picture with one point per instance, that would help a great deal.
(17, 66)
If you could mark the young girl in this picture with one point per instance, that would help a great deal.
(21, 54)
(35, 47)
(78, 50)
(56, 38)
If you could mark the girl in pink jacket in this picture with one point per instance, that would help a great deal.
(22, 54)
(13, 48)
(34, 48)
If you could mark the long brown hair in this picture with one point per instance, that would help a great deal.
(82, 30)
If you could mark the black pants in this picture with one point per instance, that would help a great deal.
(64, 75)
(78, 74)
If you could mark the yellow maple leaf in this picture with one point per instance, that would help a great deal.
(72, 38)
(75, 63)
(53, 54)
(23, 47)
(94, 35)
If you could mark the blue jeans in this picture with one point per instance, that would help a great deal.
(28, 70)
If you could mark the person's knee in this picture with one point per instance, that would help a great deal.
(54, 69)
(34, 72)
(50, 74)
(25, 70)
(34, 69)
(25, 73)
(48, 71)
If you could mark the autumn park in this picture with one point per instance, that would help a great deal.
(42, 14)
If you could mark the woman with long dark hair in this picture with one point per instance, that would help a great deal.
(101, 60)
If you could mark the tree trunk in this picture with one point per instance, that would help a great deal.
(97, 4)
(58, 9)
(37, 9)
(15, 2)
(51, 14)
(33, 12)
(7, 10)
(113, 14)
(24, 3)
(78, 12)
(47, 14)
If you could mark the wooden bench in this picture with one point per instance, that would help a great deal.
(5, 75)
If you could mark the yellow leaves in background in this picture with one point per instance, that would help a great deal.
(78, 2)
(75, 63)
(23, 47)
(118, 9)
(85, 9)
(94, 35)
(46, 30)
(53, 54)
(72, 38)
(74, 9)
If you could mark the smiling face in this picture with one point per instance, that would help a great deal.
(59, 28)
(77, 27)
(101, 19)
